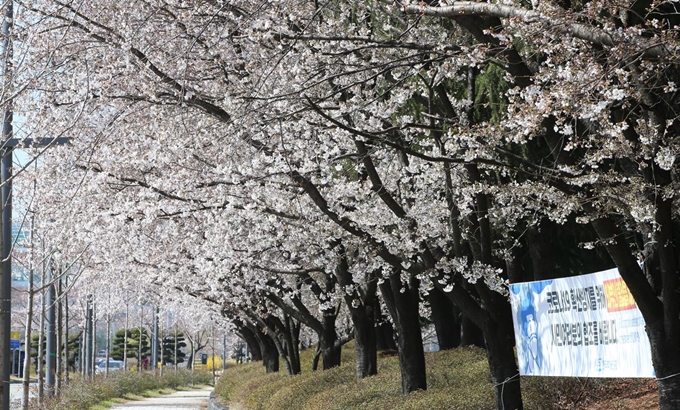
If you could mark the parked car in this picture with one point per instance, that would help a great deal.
(113, 366)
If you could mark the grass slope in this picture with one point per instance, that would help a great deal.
(457, 379)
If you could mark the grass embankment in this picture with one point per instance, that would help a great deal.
(121, 386)
(457, 379)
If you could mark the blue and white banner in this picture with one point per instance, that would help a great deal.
(582, 326)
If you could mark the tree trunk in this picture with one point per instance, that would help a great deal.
(540, 251)
(499, 337)
(360, 305)
(409, 338)
(41, 351)
(293, 344)
(471, 334)
(190, 359)
(279, 335)
(331, 351)
(666, 359)
(365, 346)
(661, 317)
(27, 341)
(500, 341)
(448, 331)
(668, 393)
(253, 345)
(383, 329)
(315, 359)
(270, 355)
(59, 337)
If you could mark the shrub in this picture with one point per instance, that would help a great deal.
(82, 395)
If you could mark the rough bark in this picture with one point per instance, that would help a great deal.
(331, 350)
(360, 304)
(542, 261)
(384, 330)
(661, 318)
(270, 354)
(293, 343)
(365, 346)
(402, 301)
(281, 336)
(443, 318)
(253, 346)
(500, 341)
(471, 334)
(316, 358)
(496, 325)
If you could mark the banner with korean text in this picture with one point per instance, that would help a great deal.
(582, 326)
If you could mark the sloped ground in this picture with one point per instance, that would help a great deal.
(591, 394)
(627, 394)
(457, 379)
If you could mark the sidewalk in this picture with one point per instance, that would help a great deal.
(181, 400)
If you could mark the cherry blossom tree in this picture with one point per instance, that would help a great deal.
(428, 147)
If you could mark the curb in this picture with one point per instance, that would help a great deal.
(214, 403)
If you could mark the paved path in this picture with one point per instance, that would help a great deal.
(181, 400)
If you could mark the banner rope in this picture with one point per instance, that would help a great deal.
(502, 384)
(667, 377)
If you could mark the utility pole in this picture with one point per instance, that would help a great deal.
(88, 339)
(51, 359)
(6, 163)
(67, 338)
(154, 340)
(175, 354)
(59, 358)
(6, 151)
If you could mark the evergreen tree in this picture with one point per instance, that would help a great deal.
(73, 349)
(173, 341)
(133, 336)
(34, 349)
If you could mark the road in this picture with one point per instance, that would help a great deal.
(181, 400)
(16, 390)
